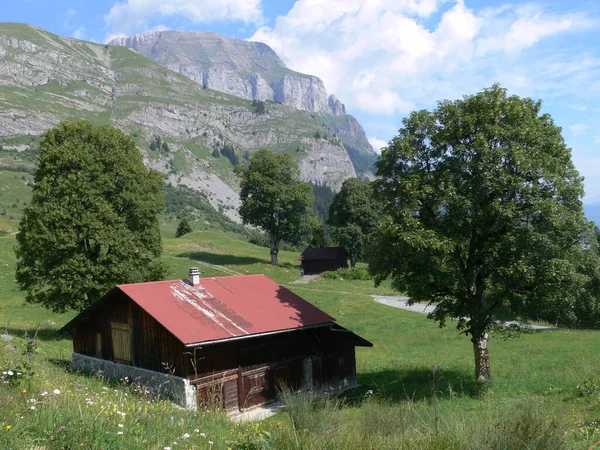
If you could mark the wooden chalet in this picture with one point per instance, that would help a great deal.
(232, 339)
(319, 260)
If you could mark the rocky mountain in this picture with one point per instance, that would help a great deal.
(46, 78)
(250, 70)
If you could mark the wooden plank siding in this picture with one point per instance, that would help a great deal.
(234, 374)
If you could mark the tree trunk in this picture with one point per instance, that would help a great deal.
(482, 357)
(353, 260)
(274, 251)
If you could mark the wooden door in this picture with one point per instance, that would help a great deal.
(121, 342)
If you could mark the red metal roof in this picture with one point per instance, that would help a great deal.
(223, 307)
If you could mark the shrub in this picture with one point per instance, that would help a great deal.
(353, 273)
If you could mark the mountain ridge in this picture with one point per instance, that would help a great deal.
(246, 69)
(45, 78)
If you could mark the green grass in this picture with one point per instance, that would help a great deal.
(537, 398)
(15, 194)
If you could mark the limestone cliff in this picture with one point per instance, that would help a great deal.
(45, 78)
(250, 70)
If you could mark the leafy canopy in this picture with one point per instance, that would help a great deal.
(184, 227)
(93, 218)
(354, 214)
(274, 198)
(483, 210)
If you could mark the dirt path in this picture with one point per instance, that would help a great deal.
(401, 302)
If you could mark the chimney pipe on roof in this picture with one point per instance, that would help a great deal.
(194, 276)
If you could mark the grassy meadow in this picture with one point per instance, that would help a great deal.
(417, 389)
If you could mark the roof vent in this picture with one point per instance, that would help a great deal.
(194, 276)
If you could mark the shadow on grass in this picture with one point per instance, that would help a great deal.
(221, 259)
(418, 384)
(46, 335)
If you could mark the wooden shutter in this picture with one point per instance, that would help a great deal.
(121, 342)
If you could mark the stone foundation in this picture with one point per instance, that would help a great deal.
(163, 385)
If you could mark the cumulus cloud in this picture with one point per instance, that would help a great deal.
(388, 56)
(377, 143)
(135, 15)
(578, 129)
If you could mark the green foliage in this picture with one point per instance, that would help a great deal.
(184, 202)
(183, 228)
(352, 273)
(93, 218)
(353, 215)
(259, 107)
(317, 135)
(318, 233)
(274, 199)
(323, 199)
(483, 209)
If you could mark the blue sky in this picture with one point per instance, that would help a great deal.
(384, 58)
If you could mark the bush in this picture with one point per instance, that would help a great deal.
(353, 273)
(183, 228)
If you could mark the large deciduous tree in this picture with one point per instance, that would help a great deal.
(93, 218)
(274, 198)
(483, 209)
(353, 215)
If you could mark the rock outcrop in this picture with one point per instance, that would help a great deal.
(46, 78)
(250, 70)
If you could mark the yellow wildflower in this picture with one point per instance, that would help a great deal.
(8, 427)
(24, 391)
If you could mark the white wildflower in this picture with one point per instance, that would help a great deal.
(210, 442)
(56, 391)
(120, 432)
(167, 448)
(120, 425)
(10, 373)
(196, 430)
(185, 436)
(33, 407)
(43, 394)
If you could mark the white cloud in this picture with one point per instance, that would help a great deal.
(79, 32)
(578, 107)
(135, 15)
(386, 56)
(377, 143)
(385, 102)
(579, 129)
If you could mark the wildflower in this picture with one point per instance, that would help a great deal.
(24, 391)
(62, 427)
(56, 391)
(196, 430)
(167, 448)
(8, 427)
(10, 373)
(43, 394)
(32, 407)
(120, 432)
(120, 413)
(210, 442)
(185, 436)
(203, 434)
(105, 388)
(120, 425)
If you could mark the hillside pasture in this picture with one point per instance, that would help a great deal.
(417, 388)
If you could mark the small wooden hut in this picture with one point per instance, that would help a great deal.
(229, 340)
(319, 260)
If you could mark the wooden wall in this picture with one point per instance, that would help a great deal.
(236, 374)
